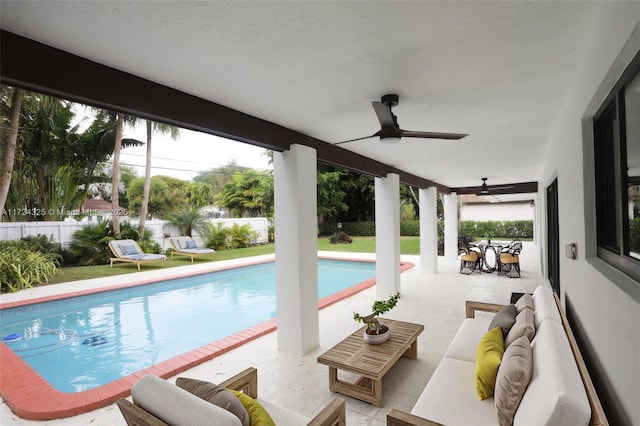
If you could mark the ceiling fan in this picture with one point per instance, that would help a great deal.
(391, 132)
(484, 189)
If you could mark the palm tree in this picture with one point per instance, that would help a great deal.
(174, 132)
(189, 219)
(115, 177)
(9, 146)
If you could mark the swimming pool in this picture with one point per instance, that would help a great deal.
(84, 342)
(32, 397)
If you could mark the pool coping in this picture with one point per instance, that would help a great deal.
(31, 397)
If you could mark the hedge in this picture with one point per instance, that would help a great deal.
(495, 229)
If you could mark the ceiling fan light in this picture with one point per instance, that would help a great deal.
(484, 190)
(389, 139)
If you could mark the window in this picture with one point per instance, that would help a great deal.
(617, 173)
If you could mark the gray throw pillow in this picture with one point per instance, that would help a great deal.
(504, 319)
(216, 395)
(514, 375)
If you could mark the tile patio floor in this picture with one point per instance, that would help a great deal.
(300, 383)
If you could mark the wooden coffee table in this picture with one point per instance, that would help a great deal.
(371, 362)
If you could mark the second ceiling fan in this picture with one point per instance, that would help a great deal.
(390, 131)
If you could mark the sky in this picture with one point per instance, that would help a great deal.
(184, 157)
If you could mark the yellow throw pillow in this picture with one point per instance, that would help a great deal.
(257, 413)
(488, 358)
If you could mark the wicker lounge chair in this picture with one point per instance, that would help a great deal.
(166, 404)
(187, 247)
(130, 251)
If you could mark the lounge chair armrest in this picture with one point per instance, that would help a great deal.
(334, 414)
(471, 307)
(245, 381)
(401, 418)
(135, 415)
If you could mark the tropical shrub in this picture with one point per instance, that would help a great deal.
(240, 235)
(216, 236)
(90, 244)
(43, 244)
(21, 268)
(340, 238)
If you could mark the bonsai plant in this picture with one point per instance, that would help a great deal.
(373, 326)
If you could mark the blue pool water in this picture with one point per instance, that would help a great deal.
(84, 342)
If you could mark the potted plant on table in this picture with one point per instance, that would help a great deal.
(376, 333)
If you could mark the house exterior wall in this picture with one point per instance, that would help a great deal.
(496, 211)
(604, 317)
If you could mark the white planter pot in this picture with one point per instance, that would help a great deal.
(376, 339)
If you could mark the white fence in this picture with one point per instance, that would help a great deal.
(161, 230)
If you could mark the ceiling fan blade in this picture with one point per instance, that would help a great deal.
(432, 135)
(357, 139)
(386, 118)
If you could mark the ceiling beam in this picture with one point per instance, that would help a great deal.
(41, 68)
(507, 188)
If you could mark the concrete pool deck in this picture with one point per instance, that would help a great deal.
(437, 301)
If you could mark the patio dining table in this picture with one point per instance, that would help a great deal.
(490, 251)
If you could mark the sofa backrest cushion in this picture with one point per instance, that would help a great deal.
(556, 394)
(176, 406)
(544, 305)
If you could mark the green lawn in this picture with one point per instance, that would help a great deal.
(408, 245)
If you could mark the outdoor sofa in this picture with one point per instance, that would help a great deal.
(130, 251)
(157, 402)
(559, 391)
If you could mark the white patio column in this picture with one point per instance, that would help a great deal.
(387, 204)
(451, 226)
(428, 199)
(296, 249)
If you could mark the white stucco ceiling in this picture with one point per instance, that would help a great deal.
(500, 71)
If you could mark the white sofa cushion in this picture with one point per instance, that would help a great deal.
(283, 416)
(450, 397)
(176, 406)
(556, 395)
(544, 305)
(464, 345)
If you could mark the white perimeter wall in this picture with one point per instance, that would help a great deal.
(605, 318)
(62, 232)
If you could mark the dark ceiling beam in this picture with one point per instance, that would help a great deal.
(41, 68)
(507, 188)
